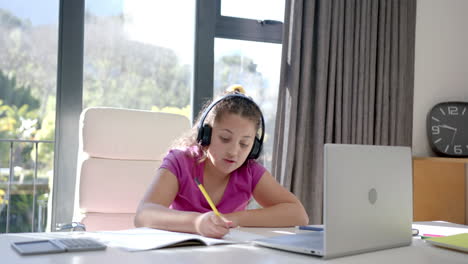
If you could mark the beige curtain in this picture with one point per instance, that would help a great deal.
(346, 77)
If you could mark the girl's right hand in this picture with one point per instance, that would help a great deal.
(211, 225)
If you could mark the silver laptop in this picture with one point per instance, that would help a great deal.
(367, 203)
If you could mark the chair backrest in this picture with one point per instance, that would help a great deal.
(120, 151)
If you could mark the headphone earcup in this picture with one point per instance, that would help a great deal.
(256, 149)
(204, 135)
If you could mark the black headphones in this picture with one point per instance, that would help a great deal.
(204, 130)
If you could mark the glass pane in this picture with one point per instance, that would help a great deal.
(28, 72)
(139, 54)
(256, 66)
(256, 9)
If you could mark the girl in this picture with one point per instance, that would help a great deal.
(220, 153)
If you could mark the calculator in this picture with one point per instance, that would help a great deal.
(57, 246)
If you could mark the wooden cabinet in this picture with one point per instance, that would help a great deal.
(439, 189)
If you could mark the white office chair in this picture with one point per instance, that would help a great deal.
(119, 153)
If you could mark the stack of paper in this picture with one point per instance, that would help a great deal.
(439, 230)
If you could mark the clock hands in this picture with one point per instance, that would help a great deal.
(453, 137)
(450, 128)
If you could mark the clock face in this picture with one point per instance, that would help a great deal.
(447, 127)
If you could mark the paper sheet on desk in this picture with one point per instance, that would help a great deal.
(139, 239)
(238, 236)
(439, 230)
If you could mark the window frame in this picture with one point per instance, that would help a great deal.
(210, 24)
(68, 109)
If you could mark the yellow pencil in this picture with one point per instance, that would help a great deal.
(207, 197)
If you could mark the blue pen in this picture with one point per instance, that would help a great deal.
(310, 228)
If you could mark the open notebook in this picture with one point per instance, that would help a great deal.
(139, 239)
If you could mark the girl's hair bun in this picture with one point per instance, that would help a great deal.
(235, 88)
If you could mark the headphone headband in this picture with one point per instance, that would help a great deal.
(204, 130)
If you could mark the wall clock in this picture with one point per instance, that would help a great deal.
(447, 129)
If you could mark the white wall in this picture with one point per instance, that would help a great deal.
(441, 61)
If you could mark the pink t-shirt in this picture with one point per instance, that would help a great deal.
(189, 198)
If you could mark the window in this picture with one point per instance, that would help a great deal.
(256, 66)
(240, 49)
(258, 9)
(138, 54)
(28, 70)
(134, 54)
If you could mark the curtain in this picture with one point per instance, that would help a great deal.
(346, 77)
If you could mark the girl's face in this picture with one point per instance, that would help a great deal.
(231, 141)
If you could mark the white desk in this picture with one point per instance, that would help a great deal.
(418, 252)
